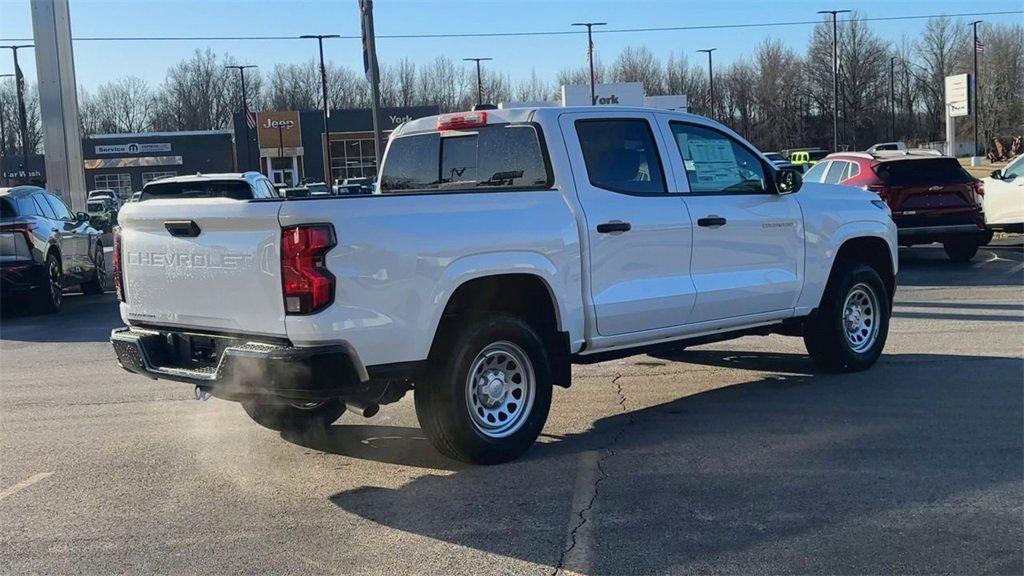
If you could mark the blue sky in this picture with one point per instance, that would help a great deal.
(98, 62)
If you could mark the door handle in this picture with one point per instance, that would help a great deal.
(609, 227)
(184, 228)
(711, 221)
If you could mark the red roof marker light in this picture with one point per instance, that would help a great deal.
(462, 120)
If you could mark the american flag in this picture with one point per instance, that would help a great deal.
(979, 46)
(250, 119)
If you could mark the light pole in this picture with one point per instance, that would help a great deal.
(977, 107)
(711, 84)
(892, 98)
(19, 83)
(323, 87)
(479, 82)
(590, 55)
(245, 110)
(835, 76)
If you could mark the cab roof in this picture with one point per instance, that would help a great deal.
(200, 177)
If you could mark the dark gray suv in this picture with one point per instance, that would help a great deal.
(44, 248)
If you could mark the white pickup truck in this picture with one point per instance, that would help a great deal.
(501, 247)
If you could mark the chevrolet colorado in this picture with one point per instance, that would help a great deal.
(501, 247)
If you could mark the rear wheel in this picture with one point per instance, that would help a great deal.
(848, 330)
(95, 285)
(48, 296)
(489, 391)
(961, 250)
(294, 416)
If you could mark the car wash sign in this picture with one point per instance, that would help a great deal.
(618, 94)
(134, 148)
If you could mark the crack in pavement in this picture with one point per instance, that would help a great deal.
(609, 451)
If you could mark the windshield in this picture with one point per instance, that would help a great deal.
(913, 172)
(235, 189)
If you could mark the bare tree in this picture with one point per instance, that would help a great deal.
(194, 96)
(639, 64)
(940, 50)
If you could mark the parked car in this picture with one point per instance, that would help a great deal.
(366, 184)
(44, 249)
(102, 213)
(238, 186)
(109, 194)
(343, 189)
(805, 158)
(1004, 197)
(887, 146)
(502, 246)
(932, 198)
(779, 160)
(318, 189)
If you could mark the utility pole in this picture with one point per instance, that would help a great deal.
(245, 110)
(372, 70)
(326, 110)
(892, 98)
(711, 83)
(590, 56)
(977, 107)
(835, 76)
(479, 81)
(19, 88)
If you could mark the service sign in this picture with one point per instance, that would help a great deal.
(958, 93)
(134, 148)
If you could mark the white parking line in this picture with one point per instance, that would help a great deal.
(24, 484)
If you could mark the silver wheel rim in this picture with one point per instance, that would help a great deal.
(101, 268)
(56, 292)
(860, 318)
(500, 389)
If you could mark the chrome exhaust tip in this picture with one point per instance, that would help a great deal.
(364, 409)
(203, 394)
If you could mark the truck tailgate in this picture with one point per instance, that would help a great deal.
(222, 274)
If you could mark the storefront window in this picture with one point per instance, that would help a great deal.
(120, 183)
(353, 158)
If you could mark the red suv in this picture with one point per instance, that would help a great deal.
(932, 198)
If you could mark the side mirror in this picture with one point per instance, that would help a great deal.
(997, 174)
(788, 181)
(81, 216)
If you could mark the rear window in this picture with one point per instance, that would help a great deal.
(496, 156)
(7, 208)
(203, 189)
(923, 171)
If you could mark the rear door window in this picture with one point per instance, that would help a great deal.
(58, 207)
(835, 172)
(912, 172)
(621, 155)
(44, 206)
(236, 189)
(495, 156)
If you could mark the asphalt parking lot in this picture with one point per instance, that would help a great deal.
(726, 458)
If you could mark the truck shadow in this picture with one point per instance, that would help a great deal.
(798, 459)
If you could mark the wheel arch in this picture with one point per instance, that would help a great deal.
(873, 251)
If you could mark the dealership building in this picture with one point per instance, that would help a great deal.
(289, 146)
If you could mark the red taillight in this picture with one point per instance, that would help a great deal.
(461, 120)
(881, 189)
(308, 286)
(23, 228)
(979, 187)
(118, 271)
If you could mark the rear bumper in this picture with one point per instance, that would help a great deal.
(235, 369)
(21, 277)
(924, 229)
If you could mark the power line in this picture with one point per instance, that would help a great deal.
(518, 33)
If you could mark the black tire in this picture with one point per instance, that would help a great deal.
(47, 299)
(961, 250)
(286, 417)
(444, 402)
(829, 343)
(95, 285)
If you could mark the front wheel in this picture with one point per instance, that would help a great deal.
(961, 250)
(294, 417)
(489, 391)
(848, 330)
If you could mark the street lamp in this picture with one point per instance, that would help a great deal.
(711, 84)
(835, 76)
(479, 82)
(590, 55)
(326, 112)
(245, 109)
(23, 125)
(892, 98)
